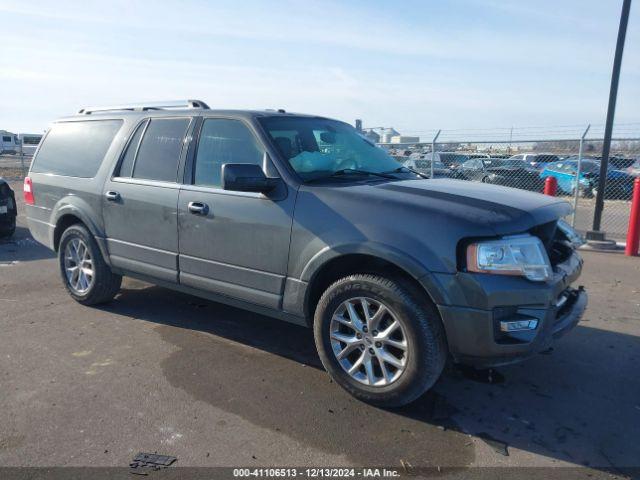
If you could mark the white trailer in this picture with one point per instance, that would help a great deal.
(30, 142)
(9, 142)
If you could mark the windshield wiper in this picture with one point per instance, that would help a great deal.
(407, 169)
(344, 172)
(349, 171)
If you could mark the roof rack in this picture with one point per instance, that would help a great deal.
(142, 107)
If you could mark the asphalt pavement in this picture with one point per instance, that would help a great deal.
(159, 371)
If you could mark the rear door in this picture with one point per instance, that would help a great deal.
(140, 200)
(237, 244)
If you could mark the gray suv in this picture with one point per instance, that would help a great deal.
(301, 218)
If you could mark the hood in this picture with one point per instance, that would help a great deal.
(478, 208)
(421, 219)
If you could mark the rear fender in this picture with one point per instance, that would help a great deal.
(76, 206)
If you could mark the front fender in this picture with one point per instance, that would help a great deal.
(388, 253)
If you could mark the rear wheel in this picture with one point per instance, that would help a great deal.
(379, 339)
(85, 274)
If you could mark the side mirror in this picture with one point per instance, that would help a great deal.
(246, 177)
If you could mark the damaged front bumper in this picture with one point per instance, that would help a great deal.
(510, 319)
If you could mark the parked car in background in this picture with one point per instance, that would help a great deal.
(505, 172)
(619, 185)
(621, 163)
(8, 210)
(423, 166)
(451, 159)
(477, 155)
(401, 155)
(634, 169)
(536, 160)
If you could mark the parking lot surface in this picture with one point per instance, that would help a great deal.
(212, 385)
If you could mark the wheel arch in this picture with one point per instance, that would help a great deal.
(321, 274)
(67, 215)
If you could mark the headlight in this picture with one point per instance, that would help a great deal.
(522, 255)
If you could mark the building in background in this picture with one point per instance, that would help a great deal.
(404, 139)
(387, 133)
(371, 134)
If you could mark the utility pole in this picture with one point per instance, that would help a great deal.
(595, 233)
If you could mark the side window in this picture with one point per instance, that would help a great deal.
(223, 141)
(76, 149)
(160, 149)
(126, 167)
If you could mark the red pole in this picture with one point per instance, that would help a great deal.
(551, 186)
(633, 235)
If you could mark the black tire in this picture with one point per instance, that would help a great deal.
(105, 284)
(9, 231)
(427, 348)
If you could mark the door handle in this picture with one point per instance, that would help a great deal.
(112, 196)
(198, 208)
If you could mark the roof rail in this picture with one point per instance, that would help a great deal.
(142, 107)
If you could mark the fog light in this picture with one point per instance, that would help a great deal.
(518, 325)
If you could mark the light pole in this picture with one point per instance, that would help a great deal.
(595, 233)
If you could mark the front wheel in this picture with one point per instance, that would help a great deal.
(85, 274)
(379, 339)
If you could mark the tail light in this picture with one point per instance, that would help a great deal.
(29, 199)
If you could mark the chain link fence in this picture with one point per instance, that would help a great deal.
(14, 166)
(524, 159)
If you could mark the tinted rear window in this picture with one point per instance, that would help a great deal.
(76, 149)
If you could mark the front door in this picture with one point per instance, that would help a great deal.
(140, 201)
(232, 243)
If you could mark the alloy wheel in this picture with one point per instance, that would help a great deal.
(368, 341)
(78, 266)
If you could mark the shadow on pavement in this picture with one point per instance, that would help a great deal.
(579, 404)
(21, 247)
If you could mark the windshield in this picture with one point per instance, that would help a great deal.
(317, 147)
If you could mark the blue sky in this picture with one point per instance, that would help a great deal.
(414, 65)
